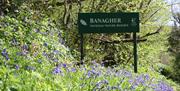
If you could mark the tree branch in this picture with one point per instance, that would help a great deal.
(149, 2)
(152, 33)
(80, 6)
(151, 16)
(68, 2)
(117, 41)
(173, 4)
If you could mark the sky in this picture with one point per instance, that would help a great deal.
(176, 8)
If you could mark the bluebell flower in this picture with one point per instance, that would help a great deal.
(44, 54)
(14, 42)
(108, 88)
(18, 53)
(92, 73)
(44, 33)
(101, 83)
(45, 44)
(102, 64)
(55, 60)
(147, 77)
(30, 68)
(64, 65)
(35, 54)
(17, 67)
(140, 80)
(83, 68)
(98, 84)
(127, 74)
(61, 41)
(24, 52)
(73, 69)
(131, 81)
(59, 35)
(25, 47)
(95, 72)
(39, 61)
(114, 87)
(105, 82)
(57, 70)
(55, 51)
(133, 87)
(89, 74)
(5, 54)
(161, 86)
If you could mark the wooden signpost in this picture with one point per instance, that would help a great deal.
(109, 23)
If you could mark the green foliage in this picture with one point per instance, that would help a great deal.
(152, 17)
(25, 41)
(175, 48)
(65, 77)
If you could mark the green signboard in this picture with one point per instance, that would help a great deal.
(108, 22)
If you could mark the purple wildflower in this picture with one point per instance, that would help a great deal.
(61, 41)
(140, 80)
(19, 53)
(102, 64)
(98, 84)
(127, 74)
(45, 44)
(57, 70)
(55, 60)
(17, 67)
(147, 77)
(30, 68)
(39, 61)
(92, 73)
(44, 53)
(73, 69)
(131, 81)
(59, 35)
(5, 54)
(89, 74)
(161, 86)
(133, 87)
(105, 82)
(64, 65)
(35, 54)
(55, 51)
(101, 83)
(114, 87)
(14, 42)
(25, 47)
(108, 88)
